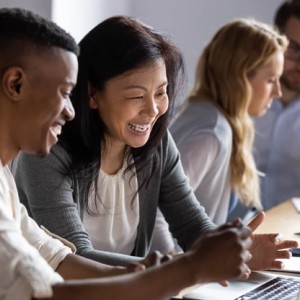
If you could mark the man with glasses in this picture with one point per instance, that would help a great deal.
(277, 140)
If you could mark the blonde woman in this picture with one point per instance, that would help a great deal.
(237, 77)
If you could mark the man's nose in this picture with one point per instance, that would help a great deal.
(69, 111)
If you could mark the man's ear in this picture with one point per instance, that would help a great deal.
(92, 97)
(12, 81)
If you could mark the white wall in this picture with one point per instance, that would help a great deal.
(191, 23)
(41, 7)
(79, 16)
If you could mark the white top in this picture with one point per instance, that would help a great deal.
(277, 152)
(204, 139)
(113, 226)
(28, 254)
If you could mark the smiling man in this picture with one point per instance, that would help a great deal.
(277, 140)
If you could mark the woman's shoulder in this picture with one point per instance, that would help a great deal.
(199, 117)
(60, 151)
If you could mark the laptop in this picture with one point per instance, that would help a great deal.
(260, 285)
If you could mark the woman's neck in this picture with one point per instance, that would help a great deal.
(112, 157)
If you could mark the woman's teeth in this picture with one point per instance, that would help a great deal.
(138, 127)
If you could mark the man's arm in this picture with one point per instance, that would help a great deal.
(201, 264)
(78, 267)
(153, 284)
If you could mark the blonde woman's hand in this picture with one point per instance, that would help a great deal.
(268, 248)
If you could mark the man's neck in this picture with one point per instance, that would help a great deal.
(288, 95)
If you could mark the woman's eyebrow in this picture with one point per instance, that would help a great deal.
(136, 86)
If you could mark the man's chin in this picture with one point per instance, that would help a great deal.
(40, 152)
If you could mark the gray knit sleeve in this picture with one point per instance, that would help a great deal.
(186, 217)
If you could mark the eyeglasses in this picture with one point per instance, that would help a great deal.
(293, 51)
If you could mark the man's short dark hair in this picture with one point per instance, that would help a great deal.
(23, 26)
(288, 9)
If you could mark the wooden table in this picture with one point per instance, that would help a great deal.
(284, 219)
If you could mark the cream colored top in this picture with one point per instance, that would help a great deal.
(113, 226)
(28, 255)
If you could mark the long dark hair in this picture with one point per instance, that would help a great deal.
(113, 47)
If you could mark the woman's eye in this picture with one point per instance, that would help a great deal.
(135, 98)
(161, 94)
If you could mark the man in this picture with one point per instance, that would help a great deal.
(38, 69)
(277, 140)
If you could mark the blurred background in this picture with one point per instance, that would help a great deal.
(190, 23)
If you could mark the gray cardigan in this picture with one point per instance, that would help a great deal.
(54, 201)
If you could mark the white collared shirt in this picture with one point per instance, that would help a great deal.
(28, 256)
(277, 152)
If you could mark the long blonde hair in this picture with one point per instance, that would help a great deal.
(237, 50)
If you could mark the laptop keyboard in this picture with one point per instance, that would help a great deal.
(278, 288)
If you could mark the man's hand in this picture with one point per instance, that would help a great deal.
(221, 254)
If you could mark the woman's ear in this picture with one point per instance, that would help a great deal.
(92, 97)
(12, 82)
(93, 102)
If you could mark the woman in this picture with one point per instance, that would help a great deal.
(237, 77)
(116, 163)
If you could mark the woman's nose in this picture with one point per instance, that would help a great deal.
(277, 90)
(151, 108)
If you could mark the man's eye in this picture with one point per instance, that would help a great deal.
(67, 94)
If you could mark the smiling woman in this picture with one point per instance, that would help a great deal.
(130, 106)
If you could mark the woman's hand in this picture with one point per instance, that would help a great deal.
(266, 248)
(221, 254)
